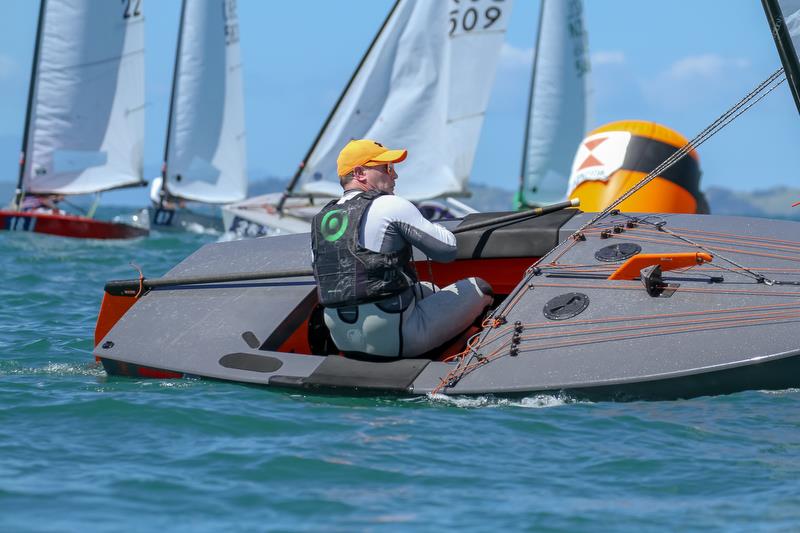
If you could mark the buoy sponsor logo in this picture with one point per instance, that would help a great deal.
(598, 157)
(334, 224)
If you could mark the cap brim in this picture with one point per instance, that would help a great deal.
(389, 156)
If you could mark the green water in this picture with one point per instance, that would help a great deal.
(82, 451)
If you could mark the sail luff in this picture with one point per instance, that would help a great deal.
(206, 154)
(290, 187)
(524, 163)
(87, 114)
(175, 68)
(23, 157)
(785, 42)
(558, 116)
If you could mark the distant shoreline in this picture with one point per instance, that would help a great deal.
(774, 202)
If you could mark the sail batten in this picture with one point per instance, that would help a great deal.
(558, 114)
(86, 117)
(205, 146)
(418, 88)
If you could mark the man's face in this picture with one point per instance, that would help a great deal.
(381, 177)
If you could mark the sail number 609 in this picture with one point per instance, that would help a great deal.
(471, 17)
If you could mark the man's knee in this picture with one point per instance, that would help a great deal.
(483, 286)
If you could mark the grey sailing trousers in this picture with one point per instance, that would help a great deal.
(409, 328)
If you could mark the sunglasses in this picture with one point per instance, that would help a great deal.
(387, 168)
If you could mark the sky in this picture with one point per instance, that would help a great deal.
(681, 63)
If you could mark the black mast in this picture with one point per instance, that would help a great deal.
(23, 155)
(300, 168)
(172, 99)
(530, 107)
(783, 41)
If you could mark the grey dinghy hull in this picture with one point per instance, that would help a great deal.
(711, 329)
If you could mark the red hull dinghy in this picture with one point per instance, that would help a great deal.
(65, 225)
(84, 133)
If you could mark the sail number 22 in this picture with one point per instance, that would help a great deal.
(468, 15)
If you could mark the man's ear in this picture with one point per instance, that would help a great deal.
(359, 174)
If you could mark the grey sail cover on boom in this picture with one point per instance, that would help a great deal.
(206, 149)
(87, 112)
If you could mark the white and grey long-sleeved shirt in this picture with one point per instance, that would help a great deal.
(392, 222)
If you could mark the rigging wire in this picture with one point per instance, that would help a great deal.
(465, 358)
(763, 89)
(754, 96)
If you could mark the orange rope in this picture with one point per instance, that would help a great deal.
(459, 372)
(697, 327)
(612, 329)
(629, 318)
(785, 245)
(635, 286)
(715, 233)
(590, 268)
(141, 280)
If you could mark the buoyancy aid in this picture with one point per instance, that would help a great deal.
(346, 272)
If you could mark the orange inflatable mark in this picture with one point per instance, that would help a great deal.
(631, 268)
(111, 310)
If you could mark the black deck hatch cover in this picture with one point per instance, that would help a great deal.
(566, 306)
(617, 252)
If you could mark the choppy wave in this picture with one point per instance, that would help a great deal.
(82, 450)
(538, 401)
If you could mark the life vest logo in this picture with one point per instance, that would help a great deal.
(598, 157)
(333, 225)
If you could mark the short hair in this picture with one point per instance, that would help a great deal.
(347, 178)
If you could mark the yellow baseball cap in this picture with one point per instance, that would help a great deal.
(367, 153)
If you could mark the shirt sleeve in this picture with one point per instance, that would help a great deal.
(405, 220)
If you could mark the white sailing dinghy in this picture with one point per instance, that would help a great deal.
(84, 126)
(423, 84)
(558, 105)
(204, 151)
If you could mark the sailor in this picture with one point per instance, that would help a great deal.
(42, 203)
(373, 301)
(160, 198)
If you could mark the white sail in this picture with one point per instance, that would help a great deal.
(87, 113)
(424, 85)
(206, 148)
(558, 112)
(791, 13)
